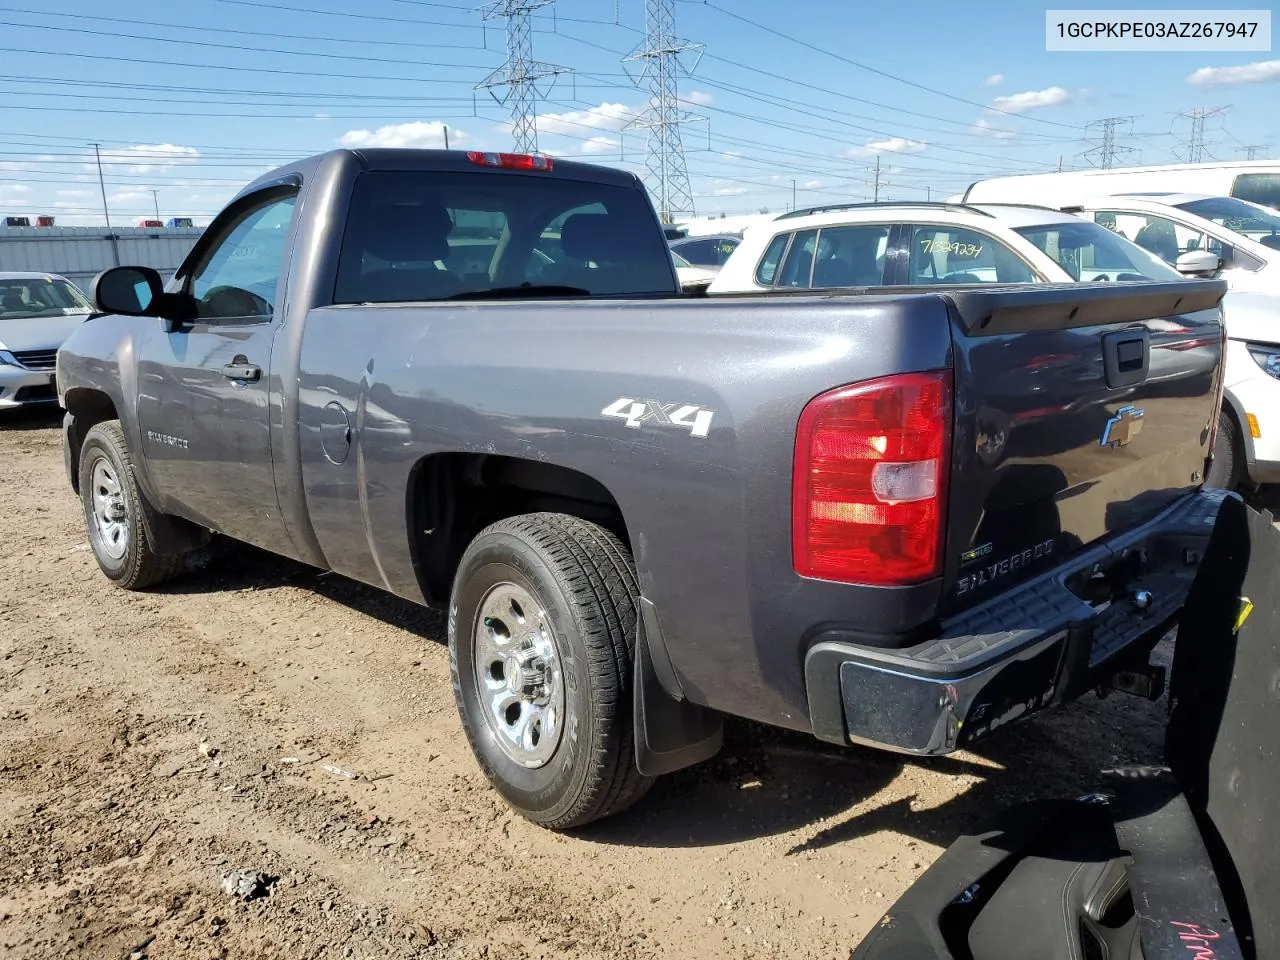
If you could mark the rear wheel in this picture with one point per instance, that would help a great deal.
(1226, 470)
(542, 626)
(113, 513)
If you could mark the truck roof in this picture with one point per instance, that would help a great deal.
(406, 158)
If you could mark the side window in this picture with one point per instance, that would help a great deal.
(1158, 235)
(1262, 188)
(799, 264)
(949, 254)
(767, 272)
(851, 256)
(237, 277)
(724, 250)
(701, 253)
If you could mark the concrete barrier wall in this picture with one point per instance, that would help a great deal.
(79, 253)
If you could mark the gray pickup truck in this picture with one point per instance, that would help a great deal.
(899, 518)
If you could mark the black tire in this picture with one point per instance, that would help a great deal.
(130, 560)
(583, 580)
(1226, 469)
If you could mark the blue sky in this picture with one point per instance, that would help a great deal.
(191, 100)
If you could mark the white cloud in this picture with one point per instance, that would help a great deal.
(147, 157)
(574, 123)
(892, 145)
(417, 133)
(994, 80)
(14, 188)
(1031, 100)
(323, 116)
(729, 191)
(73, 193)
(1264, 71)
(811, 184)
(599, 145)
(699, 98)
(984, 129)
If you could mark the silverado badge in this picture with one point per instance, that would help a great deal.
(1123, 427)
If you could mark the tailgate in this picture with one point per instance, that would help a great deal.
(1081, 410)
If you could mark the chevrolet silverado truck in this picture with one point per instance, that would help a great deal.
(899, 518)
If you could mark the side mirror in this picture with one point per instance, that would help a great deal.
(1198, 263)
(131, 291)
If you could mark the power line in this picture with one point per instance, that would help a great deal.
(775, 32)
(1106, 150)
(521, 73)
(660, 54)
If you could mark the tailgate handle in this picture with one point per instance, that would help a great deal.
(1126, 355)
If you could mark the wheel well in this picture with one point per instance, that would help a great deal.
(87, 409)
(453, 496)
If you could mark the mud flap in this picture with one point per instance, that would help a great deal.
(670, 733)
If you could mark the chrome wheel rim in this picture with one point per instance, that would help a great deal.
(110, 516)
(518, 676)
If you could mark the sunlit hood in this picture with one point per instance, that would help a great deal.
(38, 333)
(1253, 316)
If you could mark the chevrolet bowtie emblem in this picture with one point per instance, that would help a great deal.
(1123, 427)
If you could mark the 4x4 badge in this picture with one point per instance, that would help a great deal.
(695, 419)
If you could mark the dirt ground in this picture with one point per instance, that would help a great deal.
(151, 743)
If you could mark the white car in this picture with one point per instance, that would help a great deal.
(894, 244)
(1244, 236)
(37, 312)
(692, 278)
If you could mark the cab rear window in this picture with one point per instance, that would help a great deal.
(421, 236)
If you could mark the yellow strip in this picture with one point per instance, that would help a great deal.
(1246, 608)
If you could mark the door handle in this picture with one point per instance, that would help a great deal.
(241, 369)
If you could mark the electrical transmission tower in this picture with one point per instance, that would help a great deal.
(1106, 149)
(1254, 151)
(1193, 148)
(521, 73)
(660, 54)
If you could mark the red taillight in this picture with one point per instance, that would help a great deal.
(869, 481)
(510, 161)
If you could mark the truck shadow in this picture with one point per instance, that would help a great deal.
(772, 782)
(43, 416)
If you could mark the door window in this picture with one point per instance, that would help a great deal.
(1159, 235)
(851, 256)
(767, 271)
(237, 276)
(798, 267)
(950, 254)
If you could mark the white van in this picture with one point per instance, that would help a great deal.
(1257, 181)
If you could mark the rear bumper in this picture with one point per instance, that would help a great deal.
(1014, 655)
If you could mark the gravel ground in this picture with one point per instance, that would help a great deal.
(152, 743)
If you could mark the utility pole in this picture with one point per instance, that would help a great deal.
(102, 185)
(155, 196)
(446, 136)
(793, 194)
(521, 73)
(1254, 151)
(1106, 150)
(1059, 163)
(660, 56)
(877, 183)
(1194, 146)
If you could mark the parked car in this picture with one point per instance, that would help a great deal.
(644, 511)
(927, 244)
(37, 312)
(706, 251)
(1254, 180)
(692, 279)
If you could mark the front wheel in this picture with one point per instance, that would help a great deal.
(113, 513)
(1226, 470)
(542, 626)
